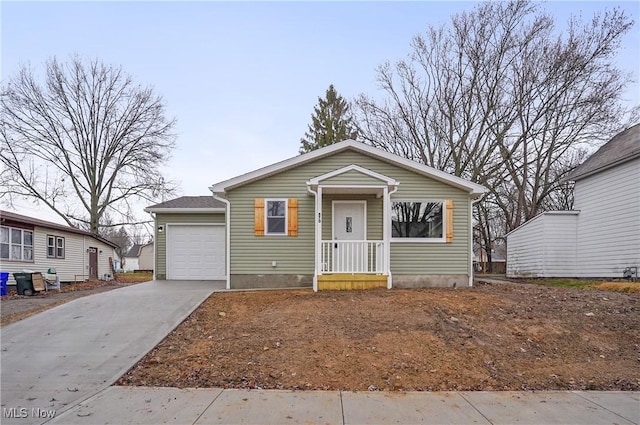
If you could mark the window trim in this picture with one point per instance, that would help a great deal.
(22, 245)
(266, 216)
(442, 239)
(55, 247)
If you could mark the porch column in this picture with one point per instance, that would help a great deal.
(386, 233)
(318, 238)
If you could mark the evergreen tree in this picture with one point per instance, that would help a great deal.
(331, 122)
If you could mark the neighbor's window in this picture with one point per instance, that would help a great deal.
(417, 220)
(55, 246)
(16, 244)
(276, 216)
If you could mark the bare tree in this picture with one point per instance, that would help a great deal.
(500, 97)
(87, 142)
(120, 237)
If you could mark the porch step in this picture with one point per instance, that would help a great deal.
(347, 282)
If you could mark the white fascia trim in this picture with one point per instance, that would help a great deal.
(185, 210)
(353, 167)
(473, 188)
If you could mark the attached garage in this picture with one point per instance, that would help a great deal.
(190, 239)
(195, 252)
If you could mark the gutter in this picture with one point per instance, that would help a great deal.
(473, 202)
(227, 226)
(155, 242)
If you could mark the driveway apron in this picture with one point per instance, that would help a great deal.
(54, 359)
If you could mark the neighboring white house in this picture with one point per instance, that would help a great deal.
(28, 243)
(145, 260)
(601, 237)
(130, 259)
(139, 257)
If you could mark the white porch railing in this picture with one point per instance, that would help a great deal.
(352, 257)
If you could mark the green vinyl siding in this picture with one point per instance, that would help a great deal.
(162, 219)
(353, 177)
(252, 254)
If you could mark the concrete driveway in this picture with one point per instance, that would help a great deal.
(59, 357)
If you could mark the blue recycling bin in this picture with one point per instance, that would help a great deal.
(4, 278)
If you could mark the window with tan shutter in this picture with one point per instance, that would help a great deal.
(449, 215)
(258, 224)
(292, 219)
(275, 217)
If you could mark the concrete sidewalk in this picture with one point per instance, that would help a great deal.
(136, 405)
(57, 358)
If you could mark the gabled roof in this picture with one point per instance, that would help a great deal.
(136, 250)
(192, 204)
(623, 147)
(356, 168)
(7, 215)
(460, 183)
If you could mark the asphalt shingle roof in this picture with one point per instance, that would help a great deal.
(134, 251)
(621, 148)
(190, 202)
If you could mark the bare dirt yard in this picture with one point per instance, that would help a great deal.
(498, 336)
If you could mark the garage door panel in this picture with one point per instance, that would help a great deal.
(195, 252)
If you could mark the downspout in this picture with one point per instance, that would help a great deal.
(387, 236)
(155, 243)
(473, 202)
(227, 228)
(315, 245)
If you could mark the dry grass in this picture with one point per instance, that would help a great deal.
(134, 277)
(628, 287)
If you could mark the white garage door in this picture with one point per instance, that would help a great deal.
(195, 252)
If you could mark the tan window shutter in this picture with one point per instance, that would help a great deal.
(449, 215)
(258, 207)
(292, 213)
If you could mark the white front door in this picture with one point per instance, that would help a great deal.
(349, 235)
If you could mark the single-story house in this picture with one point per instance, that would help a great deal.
(139, 257)
(344, 216)
(130, 259)
(600, 238)
(28, 243)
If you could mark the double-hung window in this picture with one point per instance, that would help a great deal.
(16, 244)
(276, 216)
(55, 246)
(421, 221)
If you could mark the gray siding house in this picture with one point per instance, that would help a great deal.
(28, 243)
(347, 216)
(601, 238)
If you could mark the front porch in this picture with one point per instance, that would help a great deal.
(348, 265)
(352, 229)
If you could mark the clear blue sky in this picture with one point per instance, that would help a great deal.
(242, 78)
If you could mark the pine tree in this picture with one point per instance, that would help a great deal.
(331, 122)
